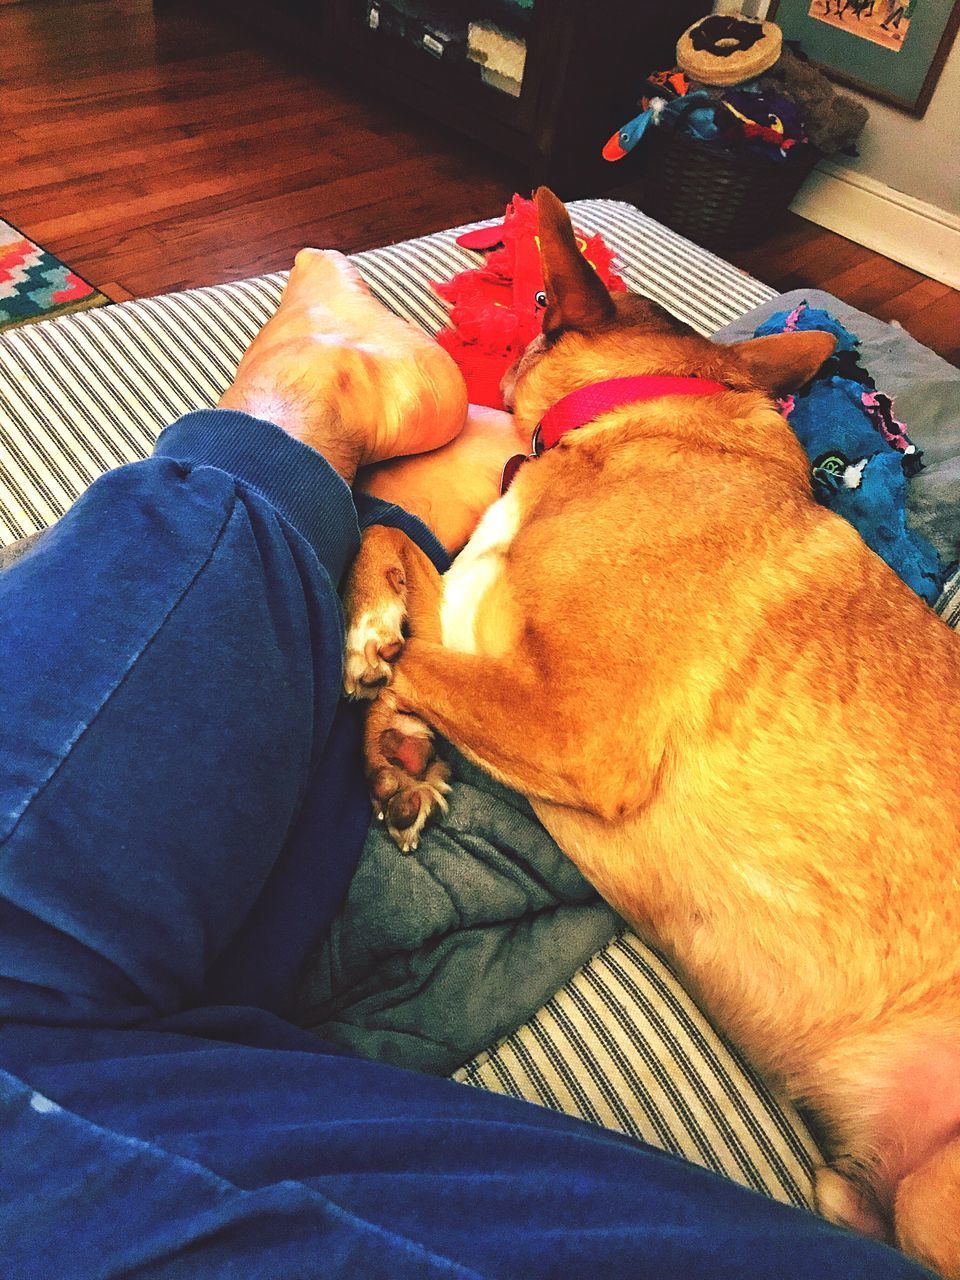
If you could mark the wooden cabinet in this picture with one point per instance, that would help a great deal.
(585, 63)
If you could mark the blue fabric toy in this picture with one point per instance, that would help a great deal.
(860, 456)
(804, 317)
(694, 110)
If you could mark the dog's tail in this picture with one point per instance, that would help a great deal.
(927, 1211)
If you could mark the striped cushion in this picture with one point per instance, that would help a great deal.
(622, 1044)
(87, 392)
(948, 606)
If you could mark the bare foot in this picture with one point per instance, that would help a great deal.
(339, 371)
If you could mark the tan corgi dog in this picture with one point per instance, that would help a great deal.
(731, 715)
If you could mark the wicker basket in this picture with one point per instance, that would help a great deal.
(720, 199)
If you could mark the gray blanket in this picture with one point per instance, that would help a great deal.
(439, 953)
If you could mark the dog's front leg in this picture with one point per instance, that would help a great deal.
(497, 712)
(392, 590)
(541, 743)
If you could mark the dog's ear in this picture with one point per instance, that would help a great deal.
(576, 296)
(782, 362)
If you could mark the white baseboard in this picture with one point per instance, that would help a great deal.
(910, 231)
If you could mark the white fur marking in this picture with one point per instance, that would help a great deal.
(385, 626)
(474, 572)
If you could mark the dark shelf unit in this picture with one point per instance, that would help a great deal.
(440, 87)
(586, 60)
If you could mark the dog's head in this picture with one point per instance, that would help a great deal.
(590, 334)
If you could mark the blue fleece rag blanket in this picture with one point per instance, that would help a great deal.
(861, 457)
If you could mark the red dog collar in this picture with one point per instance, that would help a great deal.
(581, 407)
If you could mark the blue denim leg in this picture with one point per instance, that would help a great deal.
(177, 1156)
(170, 654)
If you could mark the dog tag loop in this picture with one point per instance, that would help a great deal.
(513, 465)
(510, 469)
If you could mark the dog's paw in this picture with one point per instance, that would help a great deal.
(373, 643)
(412, 803)
(408, 782)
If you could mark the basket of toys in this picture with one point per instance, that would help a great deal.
(720, 199)
(731, 134)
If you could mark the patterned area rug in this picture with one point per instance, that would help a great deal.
(34, 285)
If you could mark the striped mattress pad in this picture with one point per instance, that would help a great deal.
(622, 1044)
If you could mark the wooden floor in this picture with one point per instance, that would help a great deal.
(156, 151)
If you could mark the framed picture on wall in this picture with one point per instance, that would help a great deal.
(891, 49)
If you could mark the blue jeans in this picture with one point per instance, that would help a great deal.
(181, 809)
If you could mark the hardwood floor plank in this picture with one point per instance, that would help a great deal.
(823, 255)
(872, 287)
(938, 326)
(190, 177)
(116, 292)
(914, 299)
(169, 148)
(331, 185)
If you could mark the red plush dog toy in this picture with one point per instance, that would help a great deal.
(497, 309)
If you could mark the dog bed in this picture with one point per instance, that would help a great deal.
(620, 1043)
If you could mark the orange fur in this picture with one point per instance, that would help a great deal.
(733, 717)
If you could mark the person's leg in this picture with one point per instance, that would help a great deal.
(171, 654)
(178, 1156)
(170, 698)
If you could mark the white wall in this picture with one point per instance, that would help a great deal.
(921, 157)
(901, 196)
